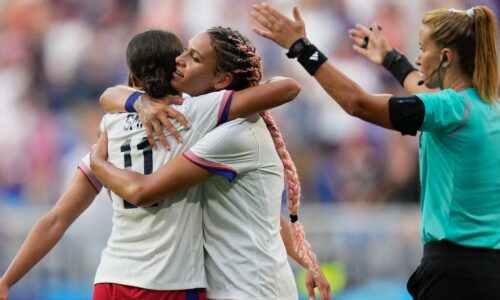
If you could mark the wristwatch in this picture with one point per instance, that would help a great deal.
(297, 47)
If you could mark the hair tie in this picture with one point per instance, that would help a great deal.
(470, 12)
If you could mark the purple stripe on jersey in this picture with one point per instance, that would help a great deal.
(224, 107)
(210, 166)
(90, 177)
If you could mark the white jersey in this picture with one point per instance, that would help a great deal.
(159, 247)
(245, 256)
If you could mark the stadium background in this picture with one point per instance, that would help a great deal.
(360, 183)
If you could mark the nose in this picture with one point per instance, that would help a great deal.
(179, 60)
(417, 60)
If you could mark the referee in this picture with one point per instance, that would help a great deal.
(456, 108)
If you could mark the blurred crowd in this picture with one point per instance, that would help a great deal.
(58, 56)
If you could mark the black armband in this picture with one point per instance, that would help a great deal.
(398, 65)
(406, 114)
(311, 59)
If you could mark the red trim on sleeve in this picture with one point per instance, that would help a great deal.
(211, 166)
(90, 177)
(224, 106)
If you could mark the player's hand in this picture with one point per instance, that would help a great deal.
(319, 282)
(370, 42)
(99, 152)
(154, 116)
(278, 28)
(4, 291)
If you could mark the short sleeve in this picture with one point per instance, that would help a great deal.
(228, 150)
(210, 110)
(84, 166)
(446, 111)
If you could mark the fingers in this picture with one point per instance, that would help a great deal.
(357, 40)
(265, 22)
(355, 33)
(364, 31)
(165, 122)
(103, 137)
(275, 15)
(172, 113)
(310, 291)
(149, 134)
(375, 28)
(157, 127)
(326, 293)
(362, 51)
(174, 100)
(263, 33)
(297, 16)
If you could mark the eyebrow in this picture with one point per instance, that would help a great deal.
(195, 51)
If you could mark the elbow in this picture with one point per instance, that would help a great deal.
(293, 89)
(356, 106)
(139, 195)
(103, 99)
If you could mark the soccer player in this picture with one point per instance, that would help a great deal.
(459, 141)
(243, 171)
(165, 259)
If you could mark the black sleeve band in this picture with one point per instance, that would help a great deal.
(407, 114)
(311, 59)
(398, 65)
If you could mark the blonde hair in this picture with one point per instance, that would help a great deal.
(472, 34)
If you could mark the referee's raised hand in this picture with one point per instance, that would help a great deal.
(370, 42)
(277, 27)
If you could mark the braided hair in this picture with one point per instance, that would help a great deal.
(236, 54)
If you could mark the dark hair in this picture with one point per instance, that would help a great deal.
(235, 54)
(151, 59)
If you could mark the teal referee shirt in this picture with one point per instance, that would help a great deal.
(460, 169)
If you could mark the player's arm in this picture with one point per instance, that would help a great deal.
(262, 97)
(49, 230)
(154, 114)
(145, 190)
(244, 103)
(113, 99)
(312, 281)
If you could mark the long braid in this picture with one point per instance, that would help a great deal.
(302, 246)
(236, 54)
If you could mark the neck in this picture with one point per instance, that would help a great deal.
(457, 81)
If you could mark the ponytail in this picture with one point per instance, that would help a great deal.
(302, 246)
(485, 75)
(472, 34)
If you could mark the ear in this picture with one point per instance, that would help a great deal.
(222, 80)
(134, 81)
(446, 57)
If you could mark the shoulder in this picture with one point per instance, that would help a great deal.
(444, 95)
